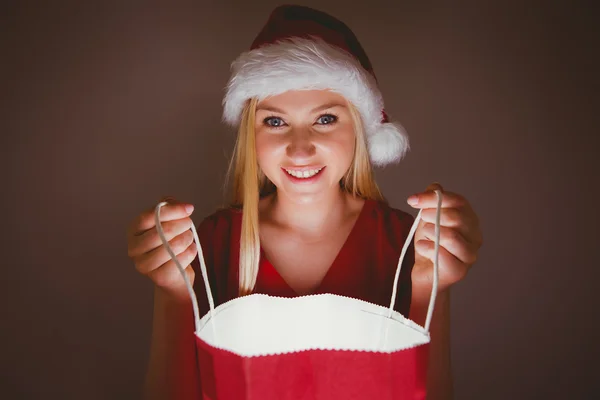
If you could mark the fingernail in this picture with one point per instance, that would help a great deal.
(189, 208)
(413, 200)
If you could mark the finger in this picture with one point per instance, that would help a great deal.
(169, 212)
(150, 239)
(435, 186)
(429, 199)
(464, 222)
(153, 259)
(449, 217)
(451, 269)
(169, 199)
(453, 241)
(431, 188)
(168, 275)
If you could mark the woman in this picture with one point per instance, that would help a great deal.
(307, 216)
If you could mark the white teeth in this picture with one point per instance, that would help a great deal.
(303, 174)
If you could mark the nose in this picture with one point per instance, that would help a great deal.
(301, 145)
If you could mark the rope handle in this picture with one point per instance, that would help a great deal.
(411, 234)
(188, 284)
(211, 304)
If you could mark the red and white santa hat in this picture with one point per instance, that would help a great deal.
(300, 48)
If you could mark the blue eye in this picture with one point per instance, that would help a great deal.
(327, 119)
(274, 122)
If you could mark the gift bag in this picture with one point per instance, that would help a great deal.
(315, 347)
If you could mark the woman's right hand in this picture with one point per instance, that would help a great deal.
(150, 256)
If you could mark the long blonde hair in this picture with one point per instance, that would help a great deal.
(250, 184)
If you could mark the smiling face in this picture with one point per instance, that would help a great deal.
(305, 142)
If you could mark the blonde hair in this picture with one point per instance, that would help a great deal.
(250, 184)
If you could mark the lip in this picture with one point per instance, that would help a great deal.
(304, 180)
(305, 168)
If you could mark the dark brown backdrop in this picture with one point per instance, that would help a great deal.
(109, 105)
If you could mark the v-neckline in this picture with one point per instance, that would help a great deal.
(265, 262)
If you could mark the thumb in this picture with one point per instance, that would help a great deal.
(434, 186)
(169, 199)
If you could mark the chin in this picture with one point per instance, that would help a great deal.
(307, 195)
(305, 198)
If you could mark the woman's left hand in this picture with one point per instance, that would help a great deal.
(460, 238)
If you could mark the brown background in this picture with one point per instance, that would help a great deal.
(108, 106)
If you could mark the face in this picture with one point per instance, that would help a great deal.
(304, 142)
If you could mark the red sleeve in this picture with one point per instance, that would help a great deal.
(403, 222)
(219, 240)
(189, 384)
(206, 234)
(395, 227)
(184, 373)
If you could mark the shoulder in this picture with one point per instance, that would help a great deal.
(389, 224)
(384, 212)
(220, 220)
(218, 232)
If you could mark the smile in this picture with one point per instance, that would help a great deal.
(303, 174)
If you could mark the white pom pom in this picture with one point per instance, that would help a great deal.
(388, 144)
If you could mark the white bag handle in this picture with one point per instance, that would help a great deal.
(190, 289)
(211, 303)
(411, 234)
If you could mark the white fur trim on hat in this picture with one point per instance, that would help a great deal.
(312, 64)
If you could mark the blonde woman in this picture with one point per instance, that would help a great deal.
(307, 216)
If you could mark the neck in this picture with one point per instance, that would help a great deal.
(310, 216)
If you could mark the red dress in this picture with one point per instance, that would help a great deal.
(363, 269)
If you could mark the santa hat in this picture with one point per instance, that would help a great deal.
(300, 48)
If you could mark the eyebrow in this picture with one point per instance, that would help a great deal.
(319, 108)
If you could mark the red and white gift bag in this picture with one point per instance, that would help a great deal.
(324, 347)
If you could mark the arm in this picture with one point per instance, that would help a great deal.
(460, 240)
(439, 375)
(172, 370)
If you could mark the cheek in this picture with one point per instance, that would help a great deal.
(343, 148)
(266, 152)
